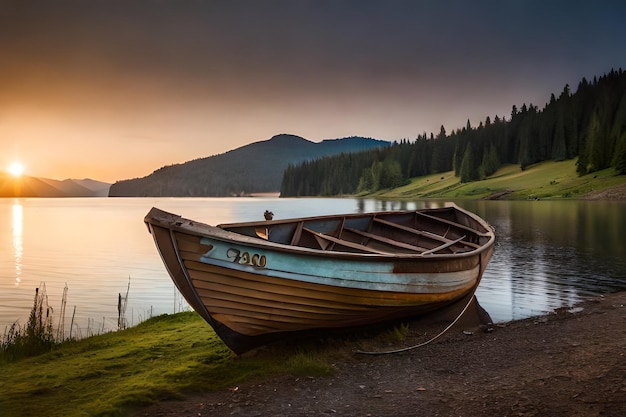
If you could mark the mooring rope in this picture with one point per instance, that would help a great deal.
(406, 349)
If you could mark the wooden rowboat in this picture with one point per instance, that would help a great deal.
(257, 282)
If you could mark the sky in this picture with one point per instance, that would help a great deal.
(115, 89)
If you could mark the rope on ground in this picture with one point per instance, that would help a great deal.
(406, 349)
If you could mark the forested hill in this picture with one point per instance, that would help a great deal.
(589, 125)
(254, 168)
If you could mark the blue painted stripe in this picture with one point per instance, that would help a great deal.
(335, 272)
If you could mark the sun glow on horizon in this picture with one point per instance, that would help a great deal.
(16, 169)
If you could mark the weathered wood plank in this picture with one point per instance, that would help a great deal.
(345, 243)
(387, 241)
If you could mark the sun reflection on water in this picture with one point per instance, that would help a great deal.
(18, 246)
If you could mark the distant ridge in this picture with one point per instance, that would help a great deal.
(26, 186)
(254, 168)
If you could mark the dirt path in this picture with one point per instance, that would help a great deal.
(570, 363)
(612, 194)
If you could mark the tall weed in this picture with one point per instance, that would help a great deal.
(36, 337)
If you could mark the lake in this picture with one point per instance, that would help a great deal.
(549, 254)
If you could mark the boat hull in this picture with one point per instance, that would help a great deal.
(253, 293)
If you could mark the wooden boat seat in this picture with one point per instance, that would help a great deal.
(296, 234)
(451, 223)
(387, 241)
(326, 242)
(445, 245)
(426, 234)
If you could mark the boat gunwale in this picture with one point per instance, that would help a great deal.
(176, 222)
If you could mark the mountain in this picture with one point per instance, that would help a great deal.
(97, 188)
(43, 187)
(254, 168)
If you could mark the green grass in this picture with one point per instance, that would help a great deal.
(162, 358)
(545, 180)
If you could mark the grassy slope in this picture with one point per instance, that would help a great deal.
(543, 180)
(158, 359)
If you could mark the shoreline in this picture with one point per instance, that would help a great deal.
(569, 362)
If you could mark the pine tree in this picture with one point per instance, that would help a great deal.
(391, 174)
(618, 131)
(490, 162)
(590, 154)
(468, 173)
(559, 146)
(620, 156)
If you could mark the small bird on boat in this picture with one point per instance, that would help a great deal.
(268, 215)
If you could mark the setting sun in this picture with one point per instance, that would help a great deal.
(16, 169)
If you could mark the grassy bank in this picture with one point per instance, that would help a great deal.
(161, 358)
(546, 180)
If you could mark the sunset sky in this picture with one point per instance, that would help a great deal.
(112, 90)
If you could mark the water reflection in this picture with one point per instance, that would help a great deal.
(551, 254)
(18, 244)
(368, 205)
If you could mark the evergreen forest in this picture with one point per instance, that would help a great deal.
(588, 124)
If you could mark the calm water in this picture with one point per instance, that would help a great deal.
(548, 254)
